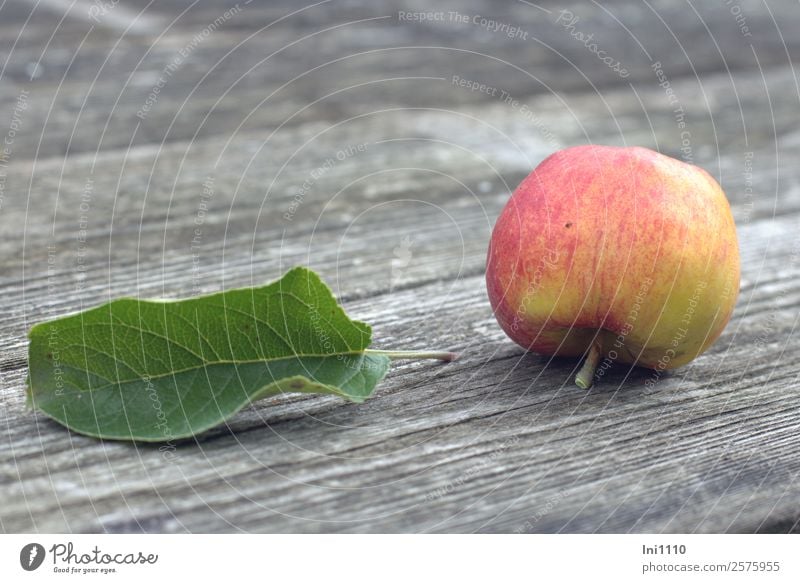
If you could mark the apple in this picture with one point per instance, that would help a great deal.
(618, 254)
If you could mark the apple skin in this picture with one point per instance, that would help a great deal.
(615, 252)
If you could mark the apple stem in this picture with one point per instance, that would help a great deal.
(413, 354)
(585, 376)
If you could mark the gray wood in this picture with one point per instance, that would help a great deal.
(96, 79)
(497, 441)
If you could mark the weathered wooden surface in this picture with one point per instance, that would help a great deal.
(497, 441)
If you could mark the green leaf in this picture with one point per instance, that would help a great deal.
(156, 370)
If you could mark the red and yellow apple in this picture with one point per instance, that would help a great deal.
(616, 254)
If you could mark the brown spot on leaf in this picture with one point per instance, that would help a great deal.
(296, 385)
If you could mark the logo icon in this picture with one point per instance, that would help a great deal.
(31, 556)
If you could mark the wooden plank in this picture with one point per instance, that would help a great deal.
(256, 182)
(442, 448)
(246, 238)
(499, 440)
(279, 162)
(97, 85)
(450, 409)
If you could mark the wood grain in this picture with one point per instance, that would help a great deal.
(499, 441)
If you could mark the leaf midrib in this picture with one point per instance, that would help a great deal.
(205, 364)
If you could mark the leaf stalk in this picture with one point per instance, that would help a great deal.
(585, 377)
(415, 355)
